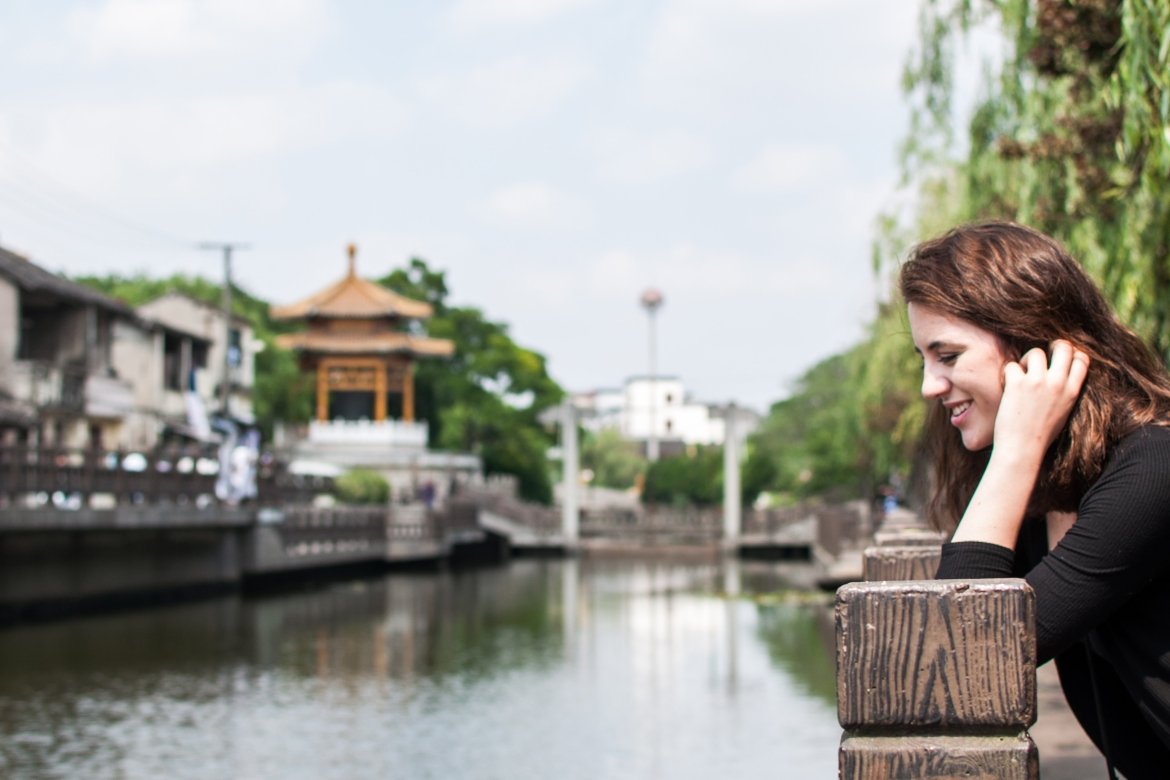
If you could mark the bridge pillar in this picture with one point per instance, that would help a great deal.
(570, 459)
(732, 501)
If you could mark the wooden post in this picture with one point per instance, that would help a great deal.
(408, 392)
(380, 391)
(936, 678)
(322, 392)
(905, 551)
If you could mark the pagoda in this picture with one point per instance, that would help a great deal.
(361, 343)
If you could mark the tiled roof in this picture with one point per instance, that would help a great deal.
(353, 298)
(366, 344)
(30, 277)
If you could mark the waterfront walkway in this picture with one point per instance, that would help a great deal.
(1065, 752)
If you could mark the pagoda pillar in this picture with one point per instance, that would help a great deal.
(408, 393)
(322, 392)
(380, 392)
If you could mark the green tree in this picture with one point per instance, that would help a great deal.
(488, 397)
(615, 462)
(691, 478)
(1069, 136)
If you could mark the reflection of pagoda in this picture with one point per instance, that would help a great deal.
(361, 343)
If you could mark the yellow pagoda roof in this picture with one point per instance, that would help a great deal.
(366, 344)
(353, 298)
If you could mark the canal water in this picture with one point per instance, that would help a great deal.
(598, 669)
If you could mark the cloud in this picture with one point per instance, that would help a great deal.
(468, 15)
(507, 92)
(631, 158)
(786, 167)
(711, 53)
(532, 205)
(172, 29)
(97, 143)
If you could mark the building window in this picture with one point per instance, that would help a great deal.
(668, 426)
(235, 354)
(669, 397)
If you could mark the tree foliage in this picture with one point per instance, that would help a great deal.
(488, 397)
(1070, 137)
(692, 478)
(614, 461)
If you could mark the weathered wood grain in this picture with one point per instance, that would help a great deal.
(917, 562)
(970, 758)
(936, 656)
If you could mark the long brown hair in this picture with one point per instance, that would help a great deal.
(1023, 287)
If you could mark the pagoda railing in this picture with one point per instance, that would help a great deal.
(392, 433)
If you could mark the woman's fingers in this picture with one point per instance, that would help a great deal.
(1039, 393)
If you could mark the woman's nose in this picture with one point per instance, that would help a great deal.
(933, 385)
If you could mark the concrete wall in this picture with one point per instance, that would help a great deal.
(43, 568)
(136, 357)
(187, 314)
(9, 329)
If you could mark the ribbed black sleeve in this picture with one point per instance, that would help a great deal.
(975, 560)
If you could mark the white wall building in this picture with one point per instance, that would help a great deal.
(663, 406)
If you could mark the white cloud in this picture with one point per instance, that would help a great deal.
(533, 205)
(474, 14)
(631, 158)
(169, 29)
(709, 53)
(93, 145)
(785, 167)
(507, 92)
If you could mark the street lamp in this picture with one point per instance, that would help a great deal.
(651, 301)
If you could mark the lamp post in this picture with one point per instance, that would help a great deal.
(651, 302)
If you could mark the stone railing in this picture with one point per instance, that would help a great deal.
(389, 433)
(935, 678)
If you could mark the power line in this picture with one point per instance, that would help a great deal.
(60, 202)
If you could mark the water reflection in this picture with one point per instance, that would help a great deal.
(579, 669)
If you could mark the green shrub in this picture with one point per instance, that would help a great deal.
(361, 486)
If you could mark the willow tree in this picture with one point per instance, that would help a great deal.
(1071, 134)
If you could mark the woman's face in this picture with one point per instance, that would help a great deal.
(962, 369)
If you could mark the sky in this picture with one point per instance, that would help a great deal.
(555, 158)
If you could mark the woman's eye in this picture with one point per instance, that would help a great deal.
(948, 358)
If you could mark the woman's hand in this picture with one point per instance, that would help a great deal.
(1038, 396)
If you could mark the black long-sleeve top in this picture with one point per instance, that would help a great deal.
(1103, 601)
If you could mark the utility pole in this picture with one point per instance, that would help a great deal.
(225, 384)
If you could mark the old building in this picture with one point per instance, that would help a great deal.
(195, 337)
(58, 384)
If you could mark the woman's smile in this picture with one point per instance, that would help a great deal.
(962, 368)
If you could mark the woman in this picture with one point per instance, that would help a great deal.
(1052, 453)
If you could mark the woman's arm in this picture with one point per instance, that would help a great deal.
(1037, 398)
